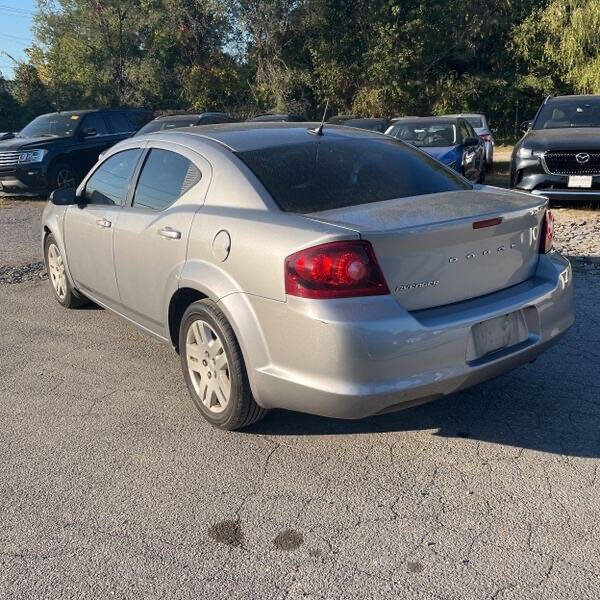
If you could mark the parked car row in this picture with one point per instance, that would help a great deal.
(558, 157)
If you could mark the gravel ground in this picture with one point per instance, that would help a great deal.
(112, 486)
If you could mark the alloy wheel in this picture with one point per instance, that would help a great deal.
(208, 366)
(56, 271)
(65, 178)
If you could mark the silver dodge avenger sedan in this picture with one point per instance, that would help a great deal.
(328, 270)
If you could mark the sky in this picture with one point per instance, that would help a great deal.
(15, 31)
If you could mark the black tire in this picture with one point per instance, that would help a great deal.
(241, 409)
(58, 175)
(71, 298)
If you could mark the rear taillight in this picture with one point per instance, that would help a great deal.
(334, 270)
(486, 137)
(547, 233)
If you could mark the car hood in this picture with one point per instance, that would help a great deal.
(25, 143)
(571, 138)
(443, 154)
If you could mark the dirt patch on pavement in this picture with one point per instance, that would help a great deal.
(29, 272)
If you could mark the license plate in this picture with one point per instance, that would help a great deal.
(580, 181)
(496, 334)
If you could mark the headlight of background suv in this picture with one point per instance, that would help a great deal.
(32, 156)
(528, 153)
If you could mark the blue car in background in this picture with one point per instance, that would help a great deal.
(451, 140)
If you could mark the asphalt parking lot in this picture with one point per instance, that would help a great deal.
(113, 487)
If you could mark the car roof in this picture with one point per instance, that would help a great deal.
(444, 119)
(248, 135)
(185, 116)
(366, 119)
(465, 115)
(87, 111)
(574, 98)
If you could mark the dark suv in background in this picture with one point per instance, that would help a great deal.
(559, 155)
(57, 149)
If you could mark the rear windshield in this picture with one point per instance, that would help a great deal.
(322, 174)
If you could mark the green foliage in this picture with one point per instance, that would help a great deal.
(558, 44)
(366, 57)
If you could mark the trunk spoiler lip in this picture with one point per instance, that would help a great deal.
(409, 229)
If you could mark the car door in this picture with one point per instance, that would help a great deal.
(479, 151)
(469, 153)
(88, 227)
(151, 235)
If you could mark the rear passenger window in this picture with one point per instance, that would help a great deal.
(95, 121)
(165, 177)
(110, 182)
(118, 123)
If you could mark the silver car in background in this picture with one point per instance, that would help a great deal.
(327, 270)
(482, 129)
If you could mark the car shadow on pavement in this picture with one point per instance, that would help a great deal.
(552, 405)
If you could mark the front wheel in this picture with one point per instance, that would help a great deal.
(55, 266)
(214, 369)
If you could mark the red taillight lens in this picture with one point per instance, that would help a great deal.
(334, 270)
(547, 236)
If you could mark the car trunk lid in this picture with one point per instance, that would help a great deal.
(448, 247)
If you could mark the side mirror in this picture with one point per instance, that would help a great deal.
(526, 126)
(64, 197)
(471, 141)
(89, 132)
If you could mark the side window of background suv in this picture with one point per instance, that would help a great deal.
(95, 121)
(118, 122)
(165, 177)
(110, 181)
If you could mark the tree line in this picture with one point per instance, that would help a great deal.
(365, 57)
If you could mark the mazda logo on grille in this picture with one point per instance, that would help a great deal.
(582, 158)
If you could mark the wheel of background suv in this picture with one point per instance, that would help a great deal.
(62, 175)
(214, 369)
(55, 266)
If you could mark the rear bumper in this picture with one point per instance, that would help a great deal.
(359, 357)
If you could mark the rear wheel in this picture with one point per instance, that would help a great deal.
(55, 266)
(214, 369)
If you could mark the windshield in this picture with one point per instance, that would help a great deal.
(53, 125)
(476, 122)
(160, 124)
(425, 134)
(560, 115)
(322, 174)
